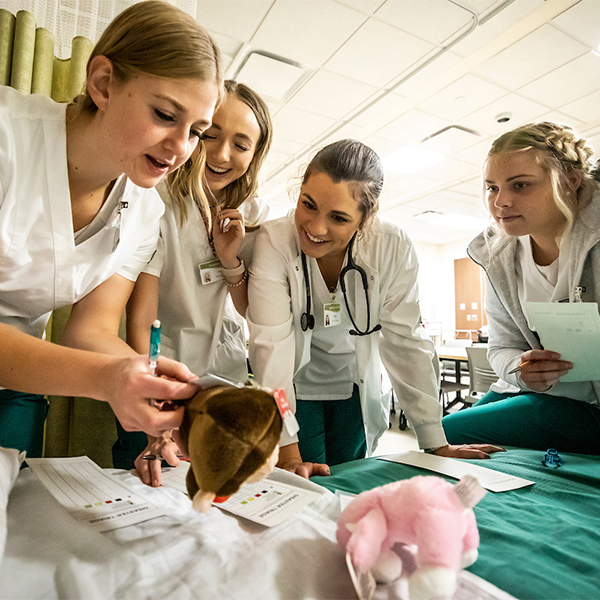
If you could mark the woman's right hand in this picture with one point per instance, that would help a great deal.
(164, 448)
(290, 460)
(128, 386)
(542, 369)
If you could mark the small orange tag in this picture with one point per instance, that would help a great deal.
(289, 419)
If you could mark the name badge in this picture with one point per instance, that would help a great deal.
(210, 272)
(332, 314)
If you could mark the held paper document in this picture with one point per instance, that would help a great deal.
(573, 330)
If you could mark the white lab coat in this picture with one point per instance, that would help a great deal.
(200, 325)
(41, 266)
(279, 347)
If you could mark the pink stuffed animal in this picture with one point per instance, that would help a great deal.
(427, 512)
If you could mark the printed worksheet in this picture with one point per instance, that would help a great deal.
(573, 330)
(487, 478)
(90, 495)
(267, 502)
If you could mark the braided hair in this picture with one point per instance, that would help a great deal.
(560, 151)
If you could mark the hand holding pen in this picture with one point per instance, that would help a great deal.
(540, 369)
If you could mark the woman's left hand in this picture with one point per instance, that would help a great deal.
(469, 450)
(228, 231)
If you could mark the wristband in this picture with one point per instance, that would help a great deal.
(432, 450)
(241, 268)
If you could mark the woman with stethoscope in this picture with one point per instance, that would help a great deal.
(332, 294)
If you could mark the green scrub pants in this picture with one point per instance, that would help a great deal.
(129, 445)
(331, 431)
(22, 418)
(527, 420)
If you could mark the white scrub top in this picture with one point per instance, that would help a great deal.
(200, 326)
(42, 267)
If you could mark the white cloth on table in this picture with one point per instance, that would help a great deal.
(10, 463)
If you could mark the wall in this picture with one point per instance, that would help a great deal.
(436, 281)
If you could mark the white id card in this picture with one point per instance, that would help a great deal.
(332, 314)
(210, 272)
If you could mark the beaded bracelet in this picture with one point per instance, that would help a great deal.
(244, 277)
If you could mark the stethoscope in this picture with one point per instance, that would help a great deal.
(307, 320)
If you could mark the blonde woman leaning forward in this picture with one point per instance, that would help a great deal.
(544, 247)
(202, 259)
(333, 293)
(79, 218)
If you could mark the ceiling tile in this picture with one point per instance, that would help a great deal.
(300, 126)
(288, 146)
(229, 47)
(496, 26)
(431, 20)
(464, 96)
(367, 7)
(234, 18)
(451, 140)
(309, 31)
(331, 95)
(521, 110)
(412, 127)
(377, 53)
(566, 84)
(476, 154)
(450, 170)
(444, 62)
(411, 184)
(387, 103)
(581, 21)
(559, 117)
(584, 109)
(540, 52)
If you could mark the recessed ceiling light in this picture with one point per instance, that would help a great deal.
(411, 159)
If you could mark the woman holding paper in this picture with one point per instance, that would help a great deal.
(543, 247)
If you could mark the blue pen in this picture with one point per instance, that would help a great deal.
(154, 346)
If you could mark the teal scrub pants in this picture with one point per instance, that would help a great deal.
(129, 445)
(331, 431)
(527, 420)
(22, 418)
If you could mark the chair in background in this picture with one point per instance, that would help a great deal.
(481, 374)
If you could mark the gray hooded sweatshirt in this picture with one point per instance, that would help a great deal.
(510, 335)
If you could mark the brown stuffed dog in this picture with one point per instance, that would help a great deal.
(230, 436)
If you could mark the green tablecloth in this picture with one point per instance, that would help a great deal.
(542, 541)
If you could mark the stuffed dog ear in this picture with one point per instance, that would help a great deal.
(202, 501)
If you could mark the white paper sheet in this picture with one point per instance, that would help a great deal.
(573, 330)
(457, 468)
(90, 495)
(268, 502)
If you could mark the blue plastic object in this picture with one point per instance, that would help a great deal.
(552, 459)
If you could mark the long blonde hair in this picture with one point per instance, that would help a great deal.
(560, 151)
(238, 191)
